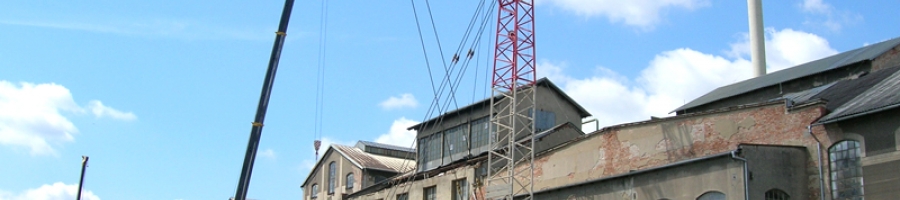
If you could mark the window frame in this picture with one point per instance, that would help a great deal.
(455, 189)
(314, 193)
(349, 180)
(777, 194)
(845, 169)
(405, 196)
(712, 195)
(332, 168)
(433, 190)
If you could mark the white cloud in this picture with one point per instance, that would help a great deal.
(398, 135)
(268, 153)
(677, 76)
(815, 6)
(824, 15)
(33, 118)
(640, 13)
(56, 191)
(308, 164)
(405, 100)
(100, 110)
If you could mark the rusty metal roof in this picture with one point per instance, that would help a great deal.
(365, 160)
(883, 94)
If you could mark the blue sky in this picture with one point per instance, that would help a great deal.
(160, 94)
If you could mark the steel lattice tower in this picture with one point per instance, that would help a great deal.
(513, 103)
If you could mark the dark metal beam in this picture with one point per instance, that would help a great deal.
(256, 131)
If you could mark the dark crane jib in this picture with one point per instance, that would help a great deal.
(256, 130)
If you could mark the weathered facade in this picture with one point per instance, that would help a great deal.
(828, 129)
(464, 133)
(344, 169)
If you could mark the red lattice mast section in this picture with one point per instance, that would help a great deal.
(514, 63)
(511, 166)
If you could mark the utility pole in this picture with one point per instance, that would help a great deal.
(84, 161)
(257, 125)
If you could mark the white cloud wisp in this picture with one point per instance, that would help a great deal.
(33, 117)
(640, 13)
(677, 76)
(55, 191)
(398, 135)
(405, 100)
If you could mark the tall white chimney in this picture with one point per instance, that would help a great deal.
(757, 39)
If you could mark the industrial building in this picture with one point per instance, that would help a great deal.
(827, 129)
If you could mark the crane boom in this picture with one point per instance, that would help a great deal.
(257, 125)
(512, 159)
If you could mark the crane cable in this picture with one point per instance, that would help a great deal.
(448, 71)
(320, 79)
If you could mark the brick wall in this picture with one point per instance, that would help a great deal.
(649, 144)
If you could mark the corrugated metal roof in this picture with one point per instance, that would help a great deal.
(882, 96)
(371, 161)
(383, 146)
(543, 81)
(832, 62)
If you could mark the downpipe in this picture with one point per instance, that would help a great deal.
(746, 173)
(819, 158)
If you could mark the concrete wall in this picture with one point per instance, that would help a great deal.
(777, 167)
(620, 149)
(320, 177)
(689, 181)
(442, 182)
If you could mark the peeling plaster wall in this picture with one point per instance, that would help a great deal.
(655, 143)
(689, 181)
(443, 186)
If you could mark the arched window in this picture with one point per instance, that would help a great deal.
(713, 195)
(846, 170)
(314, 191)
(331, 170)
(776, 194)
(350, 182)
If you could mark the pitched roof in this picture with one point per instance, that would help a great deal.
(866, 53)
(543, 81)
(882, 94)
(364, 160)
(383, 146)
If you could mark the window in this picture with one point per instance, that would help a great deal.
(314, 191)
(544, 121)
(331, 171)
(430, 151)
(456, 142)
(460, 190)
(480, 135)
(846, 170)
(712, 196)
(776, 194)
(404, 196)
(350, 182)
(429, 193)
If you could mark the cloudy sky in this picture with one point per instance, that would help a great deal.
(160, 94)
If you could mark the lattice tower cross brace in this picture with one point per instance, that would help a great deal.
(511, 166)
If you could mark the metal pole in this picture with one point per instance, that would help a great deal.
(256, 130)
(84, 161)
